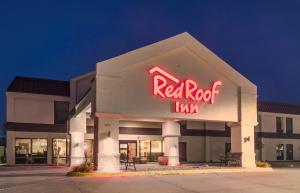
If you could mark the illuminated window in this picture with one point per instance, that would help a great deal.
(156, 147)
(60, 151)
(151, 150)
(88, 150)
(145, 148)
(280, 151)
(31, 151)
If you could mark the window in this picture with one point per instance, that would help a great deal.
(280, 151)
(128, 149)
(61, 110)
(23, 151)
(31, 151)
(279, 128)
(289, 125)
(151, 149)
(227, 148)
(60, 149)
(156, 147)
(145, 148)
(289, 151)
(88, 150)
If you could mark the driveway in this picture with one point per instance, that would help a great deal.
(54, 181)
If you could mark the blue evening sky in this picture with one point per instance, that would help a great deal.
(62, 39)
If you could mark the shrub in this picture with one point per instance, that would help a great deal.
(83, 168)
(263, 164)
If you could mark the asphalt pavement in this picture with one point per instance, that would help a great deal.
(54, 181)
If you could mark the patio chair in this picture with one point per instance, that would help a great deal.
(127, 162)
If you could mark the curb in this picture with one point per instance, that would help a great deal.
(168, 172)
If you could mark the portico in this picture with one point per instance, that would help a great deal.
(177, 79)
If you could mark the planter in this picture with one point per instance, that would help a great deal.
(163, 160)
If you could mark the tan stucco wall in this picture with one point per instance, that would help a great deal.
(31, 108)
(269, 148)
(268, 124)
(268, 121)
(217, 147)
(195, 148)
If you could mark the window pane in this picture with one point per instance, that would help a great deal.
(23, 151)
(279, 125)
(60, 151)
(156, 147)
(39, 151)
(280, 151)
(145, 148)
(23, 147)
(59, 147)
(39, 147)
(88, 149)
(289, 125)
(61, 111)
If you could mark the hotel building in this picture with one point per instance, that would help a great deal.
(174, 98)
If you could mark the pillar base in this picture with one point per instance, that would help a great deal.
(248, 160)
(109, 163)
(75, 161)
(173, 160)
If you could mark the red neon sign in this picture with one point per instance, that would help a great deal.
(168, 86)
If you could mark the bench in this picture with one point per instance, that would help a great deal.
(234, 159)
(128, 162)
(231, 159)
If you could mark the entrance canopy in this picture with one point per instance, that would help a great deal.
(177, 78)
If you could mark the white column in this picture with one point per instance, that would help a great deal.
(242, 141)
(108, 145)
(77, 148)
(170, 134)
(77, 131)
(242, 133)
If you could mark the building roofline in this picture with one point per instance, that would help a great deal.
(24, 84)
(276, 107)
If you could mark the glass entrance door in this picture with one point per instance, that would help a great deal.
(60, 151)
(128, 149)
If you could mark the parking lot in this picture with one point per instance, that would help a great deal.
(54, 181)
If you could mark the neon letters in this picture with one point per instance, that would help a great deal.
(168, 86)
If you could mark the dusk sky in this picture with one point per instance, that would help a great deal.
(63, 39)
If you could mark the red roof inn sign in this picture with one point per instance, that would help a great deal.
(186, 94)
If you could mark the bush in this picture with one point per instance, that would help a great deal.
(84, 168)
(263, 164)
